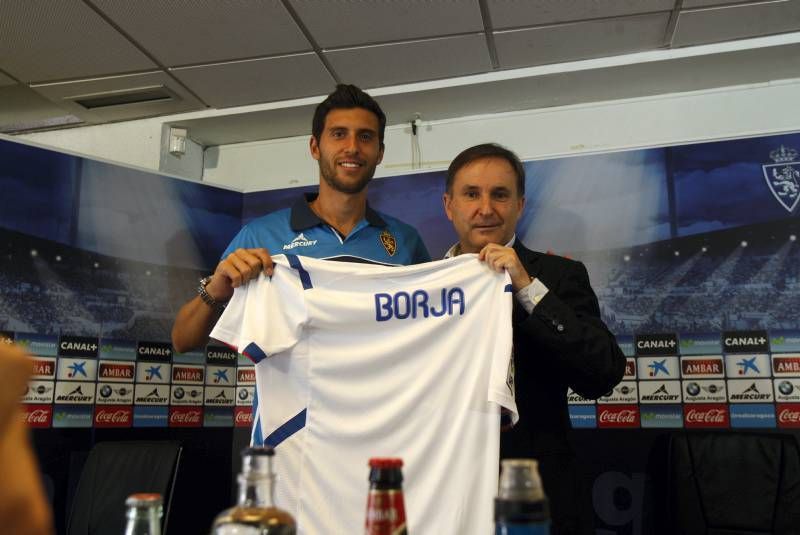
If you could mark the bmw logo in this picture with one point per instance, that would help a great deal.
(693, 389)
(243, 394)
(105, 391)
(786, 388)
(179, 393)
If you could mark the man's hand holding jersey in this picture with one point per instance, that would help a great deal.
(499, 258)
(236, 269)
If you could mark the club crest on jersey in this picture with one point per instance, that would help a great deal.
(783, 177)
(389, 242)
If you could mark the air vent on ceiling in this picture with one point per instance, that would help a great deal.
(124, 97)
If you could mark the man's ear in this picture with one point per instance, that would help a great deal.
(313, 146)
(446, 200)
(380, 155)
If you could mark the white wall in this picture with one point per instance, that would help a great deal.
(653, 121)
(645, 122)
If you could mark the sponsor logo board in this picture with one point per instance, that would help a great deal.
(661, 416)
(74, 393)
(703, 367)
(113, 416)
(153, 372)
(630, 369)
(218, 417)
(747, 365)
(43, 368)
(220, 375)
(185, 417)
(152, 394)
(38, 416)
(78, 346)
(186, 395)
(150, 416)
(787, 365)
(624, 393)
(42, 345)
(704, 391)
(574, 398)
(220, 396)
(700, 343)
(659, 392)
(713, 415)
(753, 416)
(246, 375)
(154, 351)
(617, 416)
(39, 392)
(658, 368)
(787, 389)
(73, 416)
(583, 416)
(656, 344)
(221, 356)
(243, 417)
(111, 370)
(187, 374)
(745, 342)
(788, 415)
(76, 369)
(111, 349)
(244, 395)
(750, 391)
(114, 393)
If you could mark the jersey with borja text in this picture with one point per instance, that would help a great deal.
(356, 361)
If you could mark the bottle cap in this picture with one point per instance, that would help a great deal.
(144, 499)
(385, 471)
(256, 461)
(385, 462)
(521, 497)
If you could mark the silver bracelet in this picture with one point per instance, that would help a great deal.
(204, 295)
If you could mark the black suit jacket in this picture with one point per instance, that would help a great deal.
(562, 343)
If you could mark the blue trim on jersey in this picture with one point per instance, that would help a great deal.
(509, 288)
(254, 353)
(305, 278)
(256, 436)
(292, 426)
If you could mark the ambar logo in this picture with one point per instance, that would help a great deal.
(111, 371)
(186, 374)
(701, 366)
(44, 367)
(786, 365)
(246, 375)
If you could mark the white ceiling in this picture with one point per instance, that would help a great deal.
(210, 54)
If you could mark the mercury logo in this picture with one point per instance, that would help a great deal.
(299, 241)
(752, 394)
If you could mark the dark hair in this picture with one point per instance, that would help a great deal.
(483, 151)
(347, 97)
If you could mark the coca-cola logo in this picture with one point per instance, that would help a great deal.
(244, 418)
(119, 416)
(710, 416)
(37, 417)
(626, 417)
(789, 415)
(185, 418)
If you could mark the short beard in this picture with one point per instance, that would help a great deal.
(329, 176)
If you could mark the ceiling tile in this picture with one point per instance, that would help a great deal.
(518, 13)
(736, 22)
(44, 41)
(65, 94)
(23, 109)
(5, 80)
(184, 32)
(582, 40)
(264, 80)
(412, 62)
(347, 23)
(689, 4)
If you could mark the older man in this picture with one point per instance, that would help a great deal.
(560, 340)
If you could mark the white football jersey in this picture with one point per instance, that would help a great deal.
(356, 361)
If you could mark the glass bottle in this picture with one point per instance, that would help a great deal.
(521, 506)
(255, 512)
(143, 514)
(386, 513)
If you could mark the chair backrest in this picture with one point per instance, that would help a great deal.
(115, 470)
(734, 483)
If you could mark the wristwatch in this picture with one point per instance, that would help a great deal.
(204, 295)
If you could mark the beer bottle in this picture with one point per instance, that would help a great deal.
(255, 513)
(143, 514)
(386, 512)
(521, 507)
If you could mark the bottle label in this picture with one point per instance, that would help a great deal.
(541, 528)
(386, 513)
(232, 529)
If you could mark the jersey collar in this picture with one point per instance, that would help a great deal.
(455, 250)
(303, 217)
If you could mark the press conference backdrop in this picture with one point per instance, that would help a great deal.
(692, 251)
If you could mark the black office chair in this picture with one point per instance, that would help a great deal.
(733, 483)
(115, 470)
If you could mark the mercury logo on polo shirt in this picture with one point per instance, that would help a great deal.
(299, 241)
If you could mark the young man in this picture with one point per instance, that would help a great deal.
(347, 142)
(559, 339)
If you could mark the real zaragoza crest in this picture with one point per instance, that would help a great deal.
(389, 242)
(783, 177)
